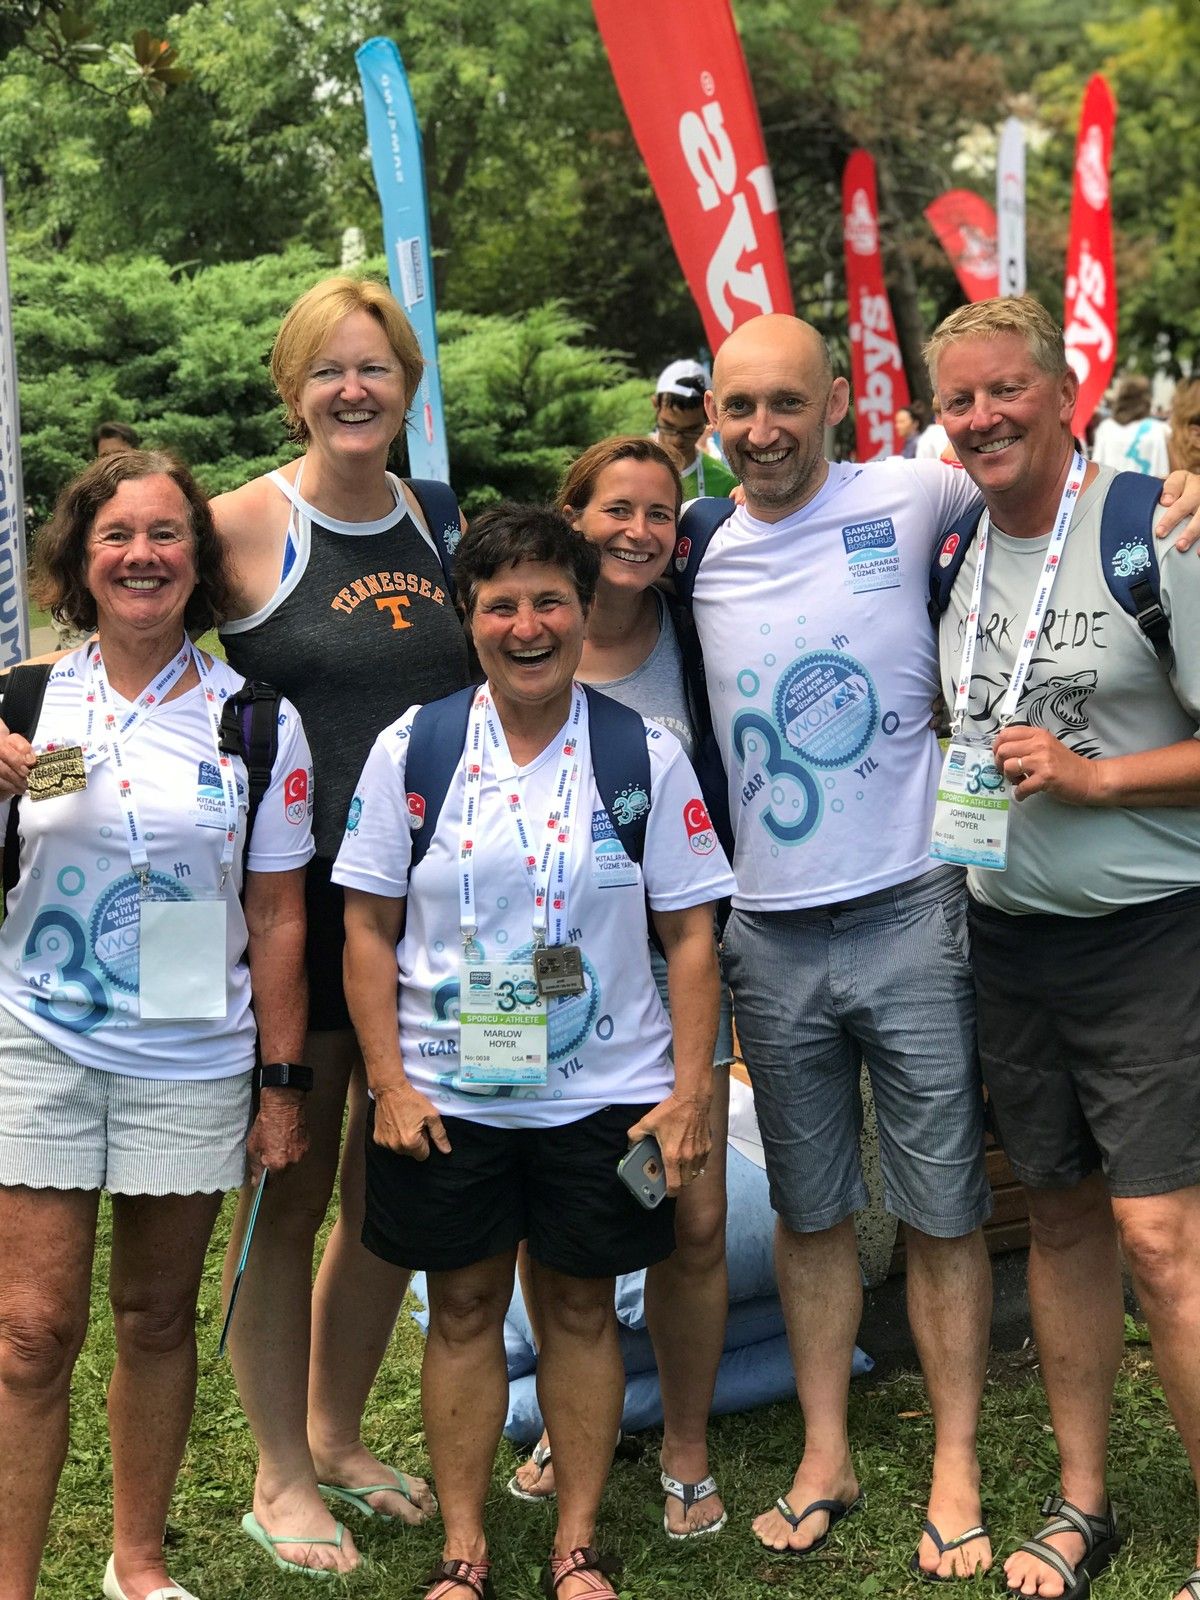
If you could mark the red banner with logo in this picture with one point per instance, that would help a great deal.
(1090, 302)
(966, 228)
(877, 372)
(683, 80)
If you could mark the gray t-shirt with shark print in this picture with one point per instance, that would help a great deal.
(1097, 685)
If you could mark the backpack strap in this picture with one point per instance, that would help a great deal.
(696, 528)
(949, 553)
(250, 729)
(439, 507)
(435, 747)
(621, 767)
(707, 760)
(24, 690)
(1129, 557)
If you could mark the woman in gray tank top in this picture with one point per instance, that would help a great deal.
(624, 496)
(343, 605)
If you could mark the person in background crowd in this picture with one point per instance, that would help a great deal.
(910, 420)
(624, 495)
(110, 437)
(1131, 440)
(1086, 945)
(1184, 442)
(934, 442)
(682, 427)
(473, 1150)
(107, 1079)
(341, 601)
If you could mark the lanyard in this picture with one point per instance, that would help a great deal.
(700, 473)
(547, 872)
(98, 698)
(1037, 611)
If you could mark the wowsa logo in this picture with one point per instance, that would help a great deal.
(713, 164)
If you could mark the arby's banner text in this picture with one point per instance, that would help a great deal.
(680, 71)
(1090, 301)
(877, 372)
(966, 228)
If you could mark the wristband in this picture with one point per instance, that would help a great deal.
(283, 1075)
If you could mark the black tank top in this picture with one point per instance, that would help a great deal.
(367, 631)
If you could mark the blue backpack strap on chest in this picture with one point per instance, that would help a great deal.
(696, 528)
(1128, 557)
(706, 759)
(439, 507)
(620, 764)
(250, 729)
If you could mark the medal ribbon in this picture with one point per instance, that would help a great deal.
(99, 699)
(545, 863)
(1037, 611)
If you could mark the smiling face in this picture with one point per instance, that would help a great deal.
(1008, 418)
(772, 399)
(353, 400)
(631, 521)
(680, 427)
(527, 626)
(141, 566)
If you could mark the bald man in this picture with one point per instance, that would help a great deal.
(846, 941)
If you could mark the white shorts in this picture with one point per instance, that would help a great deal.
(65, 1126)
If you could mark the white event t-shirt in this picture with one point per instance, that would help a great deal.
(822, 669)
(607, 1046)
(69, 950)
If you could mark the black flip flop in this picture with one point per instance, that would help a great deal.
(837, 1509)
(980, 1531)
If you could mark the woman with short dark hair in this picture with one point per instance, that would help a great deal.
(506, 852)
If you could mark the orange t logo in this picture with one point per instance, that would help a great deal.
(393, 603)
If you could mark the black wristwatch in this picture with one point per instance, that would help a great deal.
(283, 1075)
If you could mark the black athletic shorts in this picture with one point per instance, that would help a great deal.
(556, 1187)
(324, 905)
(1089, 1037)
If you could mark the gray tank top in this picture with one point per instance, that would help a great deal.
(360, 629)
(656, 688)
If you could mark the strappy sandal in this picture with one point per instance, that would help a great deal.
(1191, 1585)
(448, 1575)
(691, 1494)
(1101, 1541)
(943, 1547)
(541, 1460)
(586, 1560)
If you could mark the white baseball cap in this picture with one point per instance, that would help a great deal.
(687, 380)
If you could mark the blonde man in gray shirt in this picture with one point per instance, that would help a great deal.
(1085, 928)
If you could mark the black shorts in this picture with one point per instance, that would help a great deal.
(324, 905)
(556, 1187)
(1089, 1037)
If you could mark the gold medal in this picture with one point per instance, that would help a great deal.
(58, 772)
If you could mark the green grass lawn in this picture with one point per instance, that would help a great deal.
(753, 1458)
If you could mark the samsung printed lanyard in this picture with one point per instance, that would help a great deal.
(1037, 611)
(546, 868)
(99, 702)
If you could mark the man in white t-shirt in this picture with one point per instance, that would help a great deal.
(846, 941)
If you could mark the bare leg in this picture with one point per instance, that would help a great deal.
(534, 1479)
(950, 1312)
(356, 1300)
(269, 1340)
(821, 1291)
(47, 1238)
(1074, 1283)
(159, 1244)
(581, 1384)
(687, 1299)
(464, 1396)
(1161, 1238)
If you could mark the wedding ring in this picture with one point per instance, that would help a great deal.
(1021, 766)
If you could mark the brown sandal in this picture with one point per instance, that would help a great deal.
(586, 1559)
(448, 1575)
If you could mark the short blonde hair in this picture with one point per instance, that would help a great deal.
(986, 319)
(312, 320)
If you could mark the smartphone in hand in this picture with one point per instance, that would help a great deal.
(642, 1172)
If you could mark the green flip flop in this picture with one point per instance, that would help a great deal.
(358, 1497)
(254, 1529)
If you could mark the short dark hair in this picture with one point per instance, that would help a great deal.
(58, 572)
(506, 534)
(115, 430)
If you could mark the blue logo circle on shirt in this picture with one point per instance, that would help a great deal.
(114, 928)
(827, 708)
